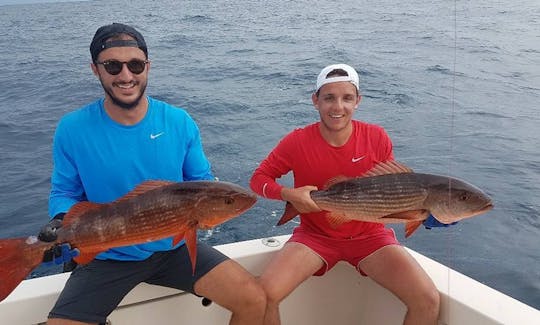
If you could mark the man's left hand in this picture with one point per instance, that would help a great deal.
(431, 222)
(59, 254)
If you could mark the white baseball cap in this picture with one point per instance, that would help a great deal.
(352, 76)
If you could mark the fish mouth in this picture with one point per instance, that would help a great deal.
(487, 207)
(483, 210)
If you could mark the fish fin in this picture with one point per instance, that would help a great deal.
(335, 220)
(18, 257)
(381, 168)
(289, 213)
(387, 167)
(178, 238)
(191, 241)
(143, 188)
(79, 209)
(408, 215)
(411, 227)
(85, 256)
(335, 180)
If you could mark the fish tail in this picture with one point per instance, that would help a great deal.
(289, 213)
(18, 257)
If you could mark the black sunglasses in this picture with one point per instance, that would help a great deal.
(114, 67)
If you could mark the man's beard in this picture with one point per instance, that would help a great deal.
(122, 104)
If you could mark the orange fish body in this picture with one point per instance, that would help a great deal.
(153, 211)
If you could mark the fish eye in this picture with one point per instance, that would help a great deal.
(229, 200)
(463, 197)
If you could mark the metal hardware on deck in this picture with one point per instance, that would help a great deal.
(271, 242)
(206, 302)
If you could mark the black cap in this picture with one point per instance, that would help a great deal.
(105, 32)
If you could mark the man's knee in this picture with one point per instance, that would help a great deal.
(272, 292)
(251, 297)
(257, 294)
(428, 302)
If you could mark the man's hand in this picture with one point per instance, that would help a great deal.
(300, 198)
(59, 254)
(431, 222)
(48, 232)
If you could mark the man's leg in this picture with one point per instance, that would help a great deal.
(395, 269)
(291, 266)
(106, 282)
(231, 286)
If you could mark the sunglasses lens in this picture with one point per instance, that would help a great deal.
(136, 66)
(114, 67)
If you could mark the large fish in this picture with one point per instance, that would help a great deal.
(153, 210)
(393, 193)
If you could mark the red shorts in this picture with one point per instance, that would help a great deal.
(332, 250)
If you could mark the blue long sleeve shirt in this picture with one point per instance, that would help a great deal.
(98, 160)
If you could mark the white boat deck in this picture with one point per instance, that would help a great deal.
(341, 297)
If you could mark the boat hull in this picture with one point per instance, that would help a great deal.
(342, 296)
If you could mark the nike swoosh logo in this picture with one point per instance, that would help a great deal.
(153, 136)
(357, 159)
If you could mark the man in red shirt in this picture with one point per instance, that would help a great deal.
(337, 145)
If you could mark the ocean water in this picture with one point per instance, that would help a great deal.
(455, 83)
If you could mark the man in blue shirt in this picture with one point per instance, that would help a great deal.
(101, 152)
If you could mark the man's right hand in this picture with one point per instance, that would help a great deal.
(58, 253)
(300, 198)
(48, 232)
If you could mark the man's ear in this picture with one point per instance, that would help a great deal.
(94, 69)
(359, 100)
(315, 100)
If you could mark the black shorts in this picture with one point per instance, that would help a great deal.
(94, 290)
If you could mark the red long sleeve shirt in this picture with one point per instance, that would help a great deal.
(314, 162)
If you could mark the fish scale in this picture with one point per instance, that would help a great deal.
(392, 193)
(374, 196)
(152, 216)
